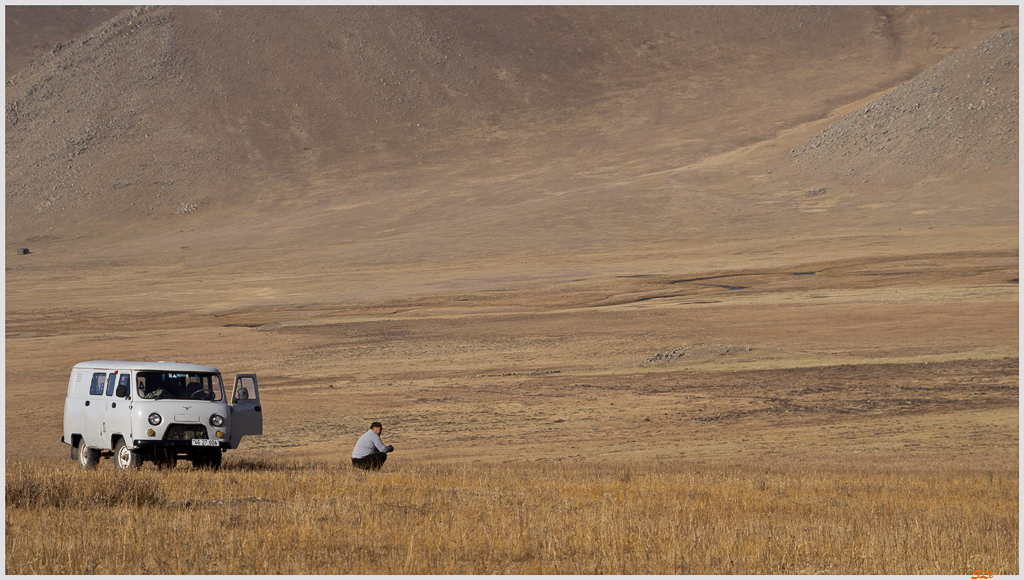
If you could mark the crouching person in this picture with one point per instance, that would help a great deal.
(370, 452)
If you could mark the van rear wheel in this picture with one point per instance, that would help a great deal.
(126, 458)
(87, 458)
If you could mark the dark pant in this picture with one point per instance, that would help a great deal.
(371, 461)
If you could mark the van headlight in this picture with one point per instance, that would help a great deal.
(216, 420)
(155, 419)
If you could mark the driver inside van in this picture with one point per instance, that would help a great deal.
(155, 392)
(145, 392)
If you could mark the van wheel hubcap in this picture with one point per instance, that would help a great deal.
(124, 457)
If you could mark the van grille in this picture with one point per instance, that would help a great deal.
(185, 432)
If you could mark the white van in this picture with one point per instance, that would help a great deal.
(156, 411)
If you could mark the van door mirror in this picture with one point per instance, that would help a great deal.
(122, 386)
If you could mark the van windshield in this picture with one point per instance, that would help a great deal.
(192, 386)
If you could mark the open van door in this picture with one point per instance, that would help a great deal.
(246, 413)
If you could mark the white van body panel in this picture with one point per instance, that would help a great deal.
(73, 422)
(159, 410)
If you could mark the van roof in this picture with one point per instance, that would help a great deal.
(145, 366)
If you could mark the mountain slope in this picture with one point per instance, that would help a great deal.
(32, 30)
(958, 115)
(170, 111)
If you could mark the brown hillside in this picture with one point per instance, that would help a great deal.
(33, 30)
(958, 115)
(162, 111)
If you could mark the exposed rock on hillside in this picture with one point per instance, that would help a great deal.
(32, 30)
(957, 115)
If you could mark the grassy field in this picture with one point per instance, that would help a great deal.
(272, 516)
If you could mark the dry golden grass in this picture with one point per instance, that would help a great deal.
(270, 516)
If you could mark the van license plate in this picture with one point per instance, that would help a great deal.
(205, 443)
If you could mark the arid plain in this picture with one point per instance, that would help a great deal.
(708, 235)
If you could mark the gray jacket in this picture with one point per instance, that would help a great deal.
(368, 444)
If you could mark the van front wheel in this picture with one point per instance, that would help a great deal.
(126, 458)
(87, 458)
(207, 460)
(164, 459)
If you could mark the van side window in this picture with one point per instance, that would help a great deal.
(98, 380)
(110, 384)
(126, 382)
